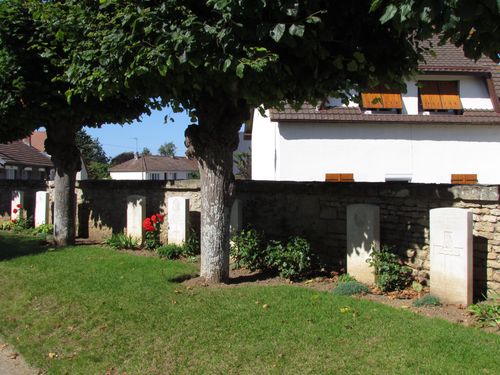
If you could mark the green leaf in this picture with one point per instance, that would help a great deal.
(227, 64)
(360, 57)
(313, 19)
(296, 30)
(352, 66)
(278, 32)
(239, 70)
(389, 13)
(375, 5)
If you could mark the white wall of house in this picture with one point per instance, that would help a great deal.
(179, 175)
(425, 153)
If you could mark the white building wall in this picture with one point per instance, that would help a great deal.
(127, 175)
(427, 153)
(264, 144)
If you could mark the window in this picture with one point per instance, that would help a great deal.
(339, 177)
(154, 176)
(441, 96)
(11, 173)
(381, 98)
(464, 179)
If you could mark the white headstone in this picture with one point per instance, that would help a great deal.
(16, 204)
(363, 235)
(41, 208)
(236, 222)
(451, 255)
(178, 220)
(136, 213)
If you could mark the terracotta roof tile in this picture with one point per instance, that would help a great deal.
(156, 164)
(448, 59)
(19, 153)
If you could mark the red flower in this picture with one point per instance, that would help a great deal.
(14, 221)
(160, 217)
(14, 210)
(153, 218)
(19, 205)
(148, 225)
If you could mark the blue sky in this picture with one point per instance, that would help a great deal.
(151, 132)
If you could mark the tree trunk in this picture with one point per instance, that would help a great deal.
(60, 144)
(213, 142)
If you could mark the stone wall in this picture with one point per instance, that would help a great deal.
(102, 204)
(28, 186)
(317, 211)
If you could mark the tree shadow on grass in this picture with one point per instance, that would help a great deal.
(12, 246)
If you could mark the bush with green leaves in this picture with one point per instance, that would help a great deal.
(486, 313)
(248, 250)
(121, 241)
(349, 288)
(427, 300)
(345, 277)
(192, 245)
(293, 260)
(171, 251)
(43, 229)
(390, 271)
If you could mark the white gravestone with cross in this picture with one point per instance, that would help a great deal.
(136, 213)
(451, 255)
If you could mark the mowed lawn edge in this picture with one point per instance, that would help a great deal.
(97, 310)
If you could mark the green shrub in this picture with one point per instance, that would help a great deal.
(292, 261)
(390, 271)
(427, 300)
(486, 313)
(43, 229)
(248, 250)
(345, 277)
(6, 225)
(349, 288)
(171, 251)
(192, 245)
(121, 241)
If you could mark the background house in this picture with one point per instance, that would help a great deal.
(149, 167)
(19, 161)
(444, 129)
(37, 140)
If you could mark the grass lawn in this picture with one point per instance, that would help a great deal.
(101, 310)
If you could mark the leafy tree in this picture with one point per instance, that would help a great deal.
(243, 162)
(98, 171)
(218, 59)
(145, 151)
(167, 149)
(90, 148)
(122, 158)
(34, 93)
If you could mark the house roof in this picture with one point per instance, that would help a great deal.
(448, 59)
(150, 163)
(19, 153)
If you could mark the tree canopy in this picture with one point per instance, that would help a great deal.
(218, 59)
(167, 149)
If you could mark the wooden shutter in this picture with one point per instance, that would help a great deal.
(464, 179)
(450, 98)
(372, 100)
(429, 95)
(392, 101)
(339, 177)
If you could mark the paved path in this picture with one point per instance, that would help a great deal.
(11, 363)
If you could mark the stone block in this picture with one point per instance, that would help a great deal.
(136, 213)
(178, 220)
(236, 222)
(41, 208)
(451, 255)
(363, 236)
